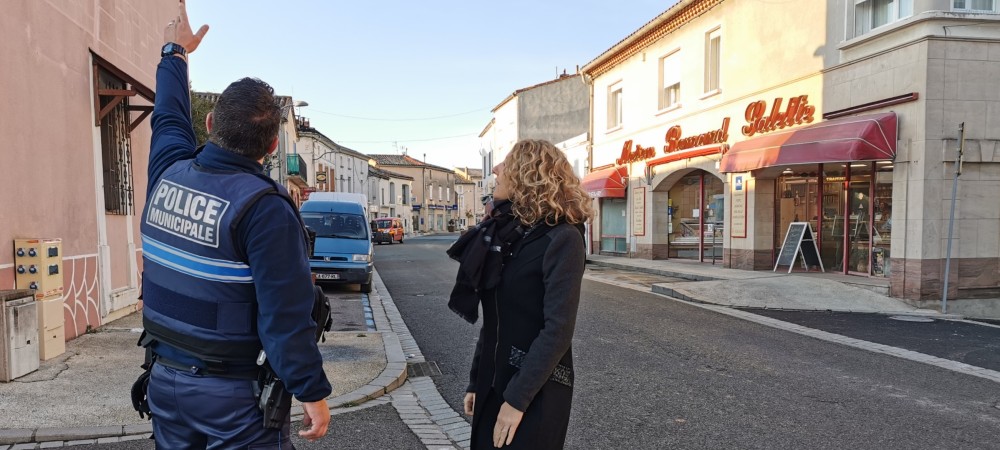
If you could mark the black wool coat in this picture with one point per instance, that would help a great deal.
(524, 352)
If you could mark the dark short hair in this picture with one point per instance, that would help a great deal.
(246, 118)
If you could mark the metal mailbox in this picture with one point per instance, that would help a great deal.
(18, 334)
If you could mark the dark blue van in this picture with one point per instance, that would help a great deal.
(343, 249)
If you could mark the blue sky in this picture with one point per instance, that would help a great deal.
(444, 62)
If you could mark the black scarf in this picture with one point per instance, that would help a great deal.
(480, 252)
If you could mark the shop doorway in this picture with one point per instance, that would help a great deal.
(613, 223)
(696, 217)
(849, 205)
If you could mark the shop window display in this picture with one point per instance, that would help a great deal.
(882, 219)
(851, 207)
(832, 234)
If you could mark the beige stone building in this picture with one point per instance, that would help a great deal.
(433, 202)
(470, 188)
(78, 83)
(391, 195)
(719, 123)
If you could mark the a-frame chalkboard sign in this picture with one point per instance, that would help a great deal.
(799, 239)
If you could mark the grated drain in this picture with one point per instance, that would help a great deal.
(422, 369)
(920, 319)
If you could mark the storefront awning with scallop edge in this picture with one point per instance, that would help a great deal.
(606, 183)
(859, 138)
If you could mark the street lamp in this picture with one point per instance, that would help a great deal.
(282, 150)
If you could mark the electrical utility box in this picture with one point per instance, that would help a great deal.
(38, 266)
(18, 334)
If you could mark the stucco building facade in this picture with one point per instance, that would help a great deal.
(78, 87)
(391, 195)
(718, 124)
(555, 111)
(432, 201)
(470, 189)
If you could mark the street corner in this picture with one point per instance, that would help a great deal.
(352, 359)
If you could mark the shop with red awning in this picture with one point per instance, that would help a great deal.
(606, 183)
(836, 176)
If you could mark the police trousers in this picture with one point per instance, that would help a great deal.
(205, 412)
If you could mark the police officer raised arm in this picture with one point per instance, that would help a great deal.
(225, 269)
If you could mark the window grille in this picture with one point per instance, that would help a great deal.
(116, 150)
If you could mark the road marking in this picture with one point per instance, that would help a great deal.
(947, 364)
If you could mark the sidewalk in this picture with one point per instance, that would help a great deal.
(808, 291)
(83, 395)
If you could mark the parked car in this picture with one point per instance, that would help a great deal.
(389, 230)
(343, 249)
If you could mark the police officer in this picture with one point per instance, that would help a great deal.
(226, 273)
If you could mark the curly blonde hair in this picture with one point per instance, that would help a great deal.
(541, 185)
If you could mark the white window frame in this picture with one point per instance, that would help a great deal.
(616, 105)
(672, 76)
(713, 63)
(968, 7)
(898, 10)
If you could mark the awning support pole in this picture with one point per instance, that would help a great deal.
(951, 218)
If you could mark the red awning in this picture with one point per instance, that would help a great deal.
(859, 138)
(607, 182)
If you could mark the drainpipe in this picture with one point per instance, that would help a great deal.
(586, 80)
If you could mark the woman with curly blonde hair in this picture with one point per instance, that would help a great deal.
(524, 266)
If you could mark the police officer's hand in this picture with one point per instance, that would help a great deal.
(316, 418)
(179, 31)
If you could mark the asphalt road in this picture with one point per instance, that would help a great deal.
(655, 373)
(963, 341)
(375, 428)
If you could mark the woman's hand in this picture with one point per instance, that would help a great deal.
(507, 421)
(469, 403)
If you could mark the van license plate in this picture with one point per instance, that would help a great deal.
(327, 276)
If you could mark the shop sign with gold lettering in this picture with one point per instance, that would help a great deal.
(632, 154)
(675, 141)
(797, 112)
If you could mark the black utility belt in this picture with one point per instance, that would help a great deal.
(249, 374)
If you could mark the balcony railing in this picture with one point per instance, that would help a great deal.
(297, 167)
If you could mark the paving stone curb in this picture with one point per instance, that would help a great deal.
(699, 277)
(418, 401)
(653, 271)
(681, 294)
(391, 378)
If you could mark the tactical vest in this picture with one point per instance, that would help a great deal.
(198, 291)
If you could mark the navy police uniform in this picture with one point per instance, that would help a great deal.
(225, 275)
